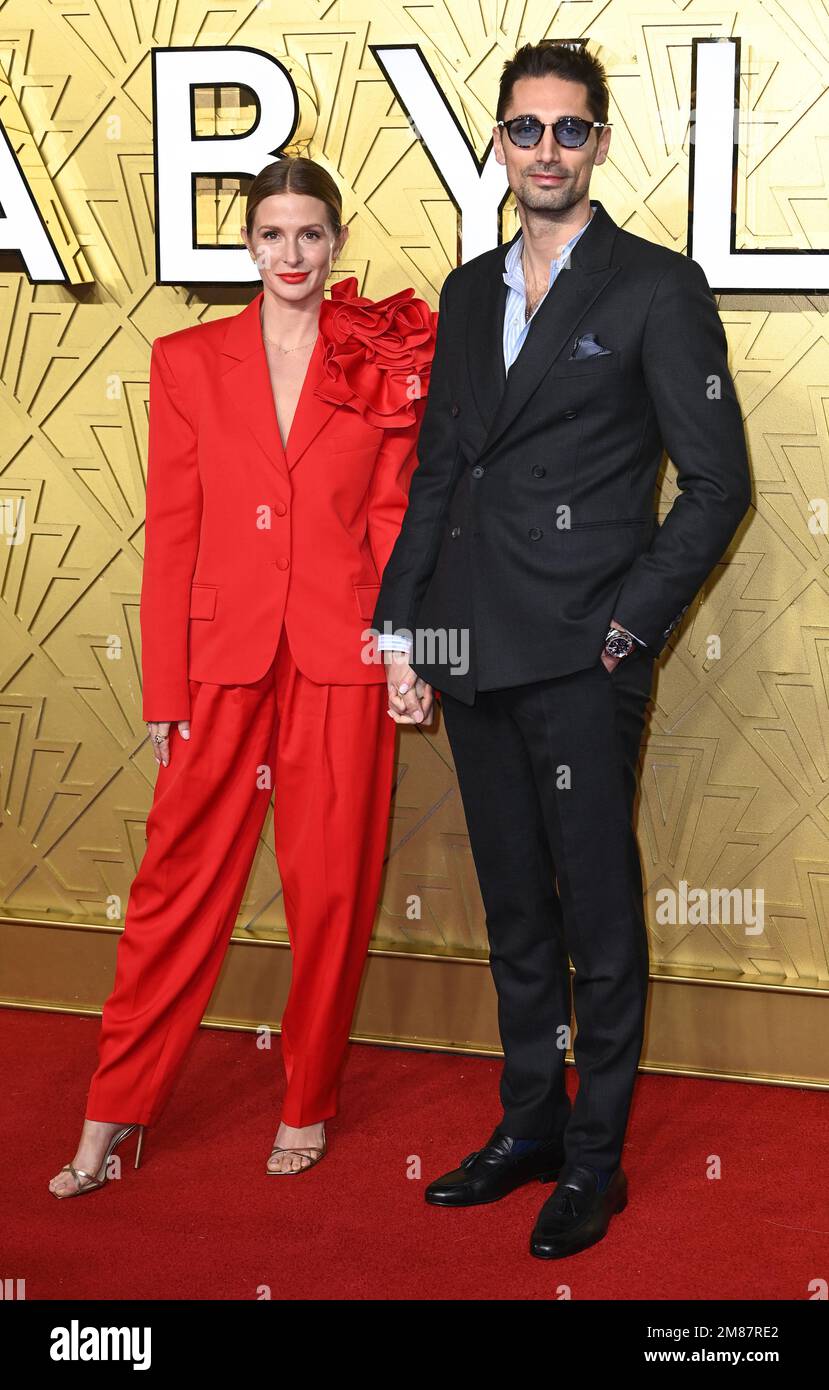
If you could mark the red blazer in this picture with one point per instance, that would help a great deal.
(242, 535)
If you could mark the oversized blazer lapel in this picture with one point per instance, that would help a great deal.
(248, 395)
(500, 397)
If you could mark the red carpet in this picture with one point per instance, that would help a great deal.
(200, 1220)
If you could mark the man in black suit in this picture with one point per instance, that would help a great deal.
(533, 588)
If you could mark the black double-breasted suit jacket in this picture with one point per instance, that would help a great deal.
(530, 521)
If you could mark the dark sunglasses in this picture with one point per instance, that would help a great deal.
(569, 131)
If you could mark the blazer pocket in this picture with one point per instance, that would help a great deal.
(351, 436)
(362, 446)
(203, 600)
(366, 596)
(598, 365)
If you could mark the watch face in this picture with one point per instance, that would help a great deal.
(618, 644)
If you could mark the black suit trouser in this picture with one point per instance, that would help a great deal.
(548, 775)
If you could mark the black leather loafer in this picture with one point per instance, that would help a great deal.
(576, 1215)
(488, 1174)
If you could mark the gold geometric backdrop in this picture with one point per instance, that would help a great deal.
(735, 780)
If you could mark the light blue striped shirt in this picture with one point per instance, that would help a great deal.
(515, 327)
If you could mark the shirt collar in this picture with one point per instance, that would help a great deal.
(514, 270)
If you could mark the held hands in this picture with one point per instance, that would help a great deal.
(160, 737)
(410, 698)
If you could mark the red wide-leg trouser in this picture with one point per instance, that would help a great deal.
(327, 752)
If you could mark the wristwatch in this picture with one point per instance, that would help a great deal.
(618, 642)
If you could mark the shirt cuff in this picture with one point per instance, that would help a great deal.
(393, 641)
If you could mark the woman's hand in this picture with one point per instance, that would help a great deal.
(160, 737)
(410, 698)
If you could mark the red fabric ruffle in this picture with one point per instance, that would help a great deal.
(377, 353)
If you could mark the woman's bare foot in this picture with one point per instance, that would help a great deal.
(308, 1137)
(95, 1137)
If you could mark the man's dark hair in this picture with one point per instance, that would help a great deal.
(552, 58)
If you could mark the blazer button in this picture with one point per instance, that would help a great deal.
(279, 508)
(456, 530)
(455, 409)
(282, 563)
(478, 471)
(539, 471)
(570, 414)
(535, 533)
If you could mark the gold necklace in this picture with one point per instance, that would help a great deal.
(282, 349)
(277, 346)
(531, 304)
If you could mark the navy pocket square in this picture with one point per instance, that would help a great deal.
(588, 346)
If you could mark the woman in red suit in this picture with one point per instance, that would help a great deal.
(281, 444)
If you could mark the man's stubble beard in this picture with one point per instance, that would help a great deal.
(552, 200)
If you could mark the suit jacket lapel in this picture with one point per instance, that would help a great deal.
(311, 412)
(248, 395)
(575, 288)
(485, 330)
